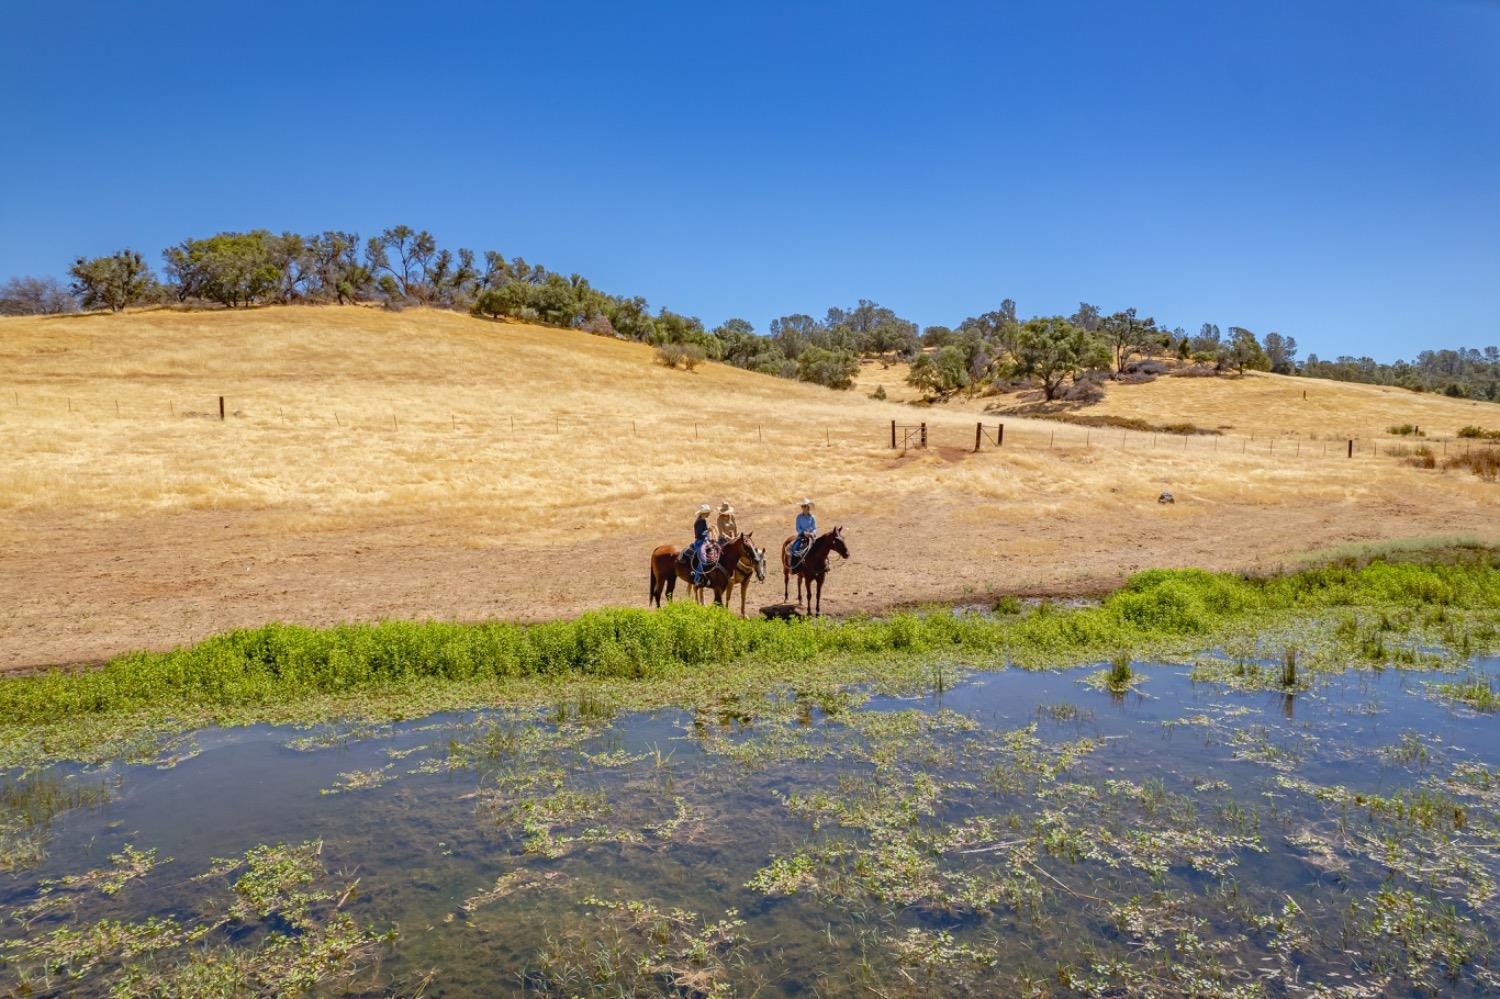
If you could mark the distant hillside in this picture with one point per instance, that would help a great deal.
(1256, 403)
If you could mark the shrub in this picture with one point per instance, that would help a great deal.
(879, 393)
(1423, 457)
(669, 354)
(1406, 430)
(1484, 463)
(692, 355)
(1479, 433)
(832, 368)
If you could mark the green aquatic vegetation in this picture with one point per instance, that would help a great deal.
(1410, 750)
(28, 807)
(1258, 744)
(1240, 674)
(303, 942)
(1482, 693)
(511, 883)
(56, 894)
(640, 948)
(1064, 711)
(1413, 938)
(361, 780)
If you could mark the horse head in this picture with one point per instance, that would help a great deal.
(838, 542)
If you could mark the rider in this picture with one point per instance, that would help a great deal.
(807, 529)
(725, 525)
(700, 538)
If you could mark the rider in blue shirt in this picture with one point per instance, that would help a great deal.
(700, 537)
(807, 529)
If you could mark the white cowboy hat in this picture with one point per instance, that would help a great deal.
(705, 508)
(805, 502)
(724, 507)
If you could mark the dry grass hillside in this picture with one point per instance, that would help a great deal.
(427, 464)
(1255, 404)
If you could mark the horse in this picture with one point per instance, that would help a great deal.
(752, 561)
(813, 567)
(667, 568)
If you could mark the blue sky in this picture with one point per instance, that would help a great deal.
(1329, 170)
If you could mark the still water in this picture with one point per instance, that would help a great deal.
(1016, 833)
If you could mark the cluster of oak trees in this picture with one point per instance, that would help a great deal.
(1057, 352)
(404, 266)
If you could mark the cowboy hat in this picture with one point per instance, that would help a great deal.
(705, 508)
(805, 502)
(724, 507)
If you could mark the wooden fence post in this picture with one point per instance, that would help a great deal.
(1351, 448)
(978, 430)
(893, 435)
(221, 407)
(999, 435)
(924, 433)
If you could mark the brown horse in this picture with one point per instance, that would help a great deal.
(814, 566)
(752, 562)
(667, 568)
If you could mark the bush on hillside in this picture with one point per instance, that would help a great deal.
(684, 355)
(833, 368)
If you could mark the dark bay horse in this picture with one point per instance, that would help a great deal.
(814, 566)
(667, 568)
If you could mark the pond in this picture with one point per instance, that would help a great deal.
(1012, 832)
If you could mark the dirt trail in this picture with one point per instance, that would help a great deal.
(76, 591)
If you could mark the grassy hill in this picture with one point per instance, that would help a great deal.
(1256, 404)
(425, 463)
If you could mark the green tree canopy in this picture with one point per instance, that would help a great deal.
(1245, 352)
(1053, 350)
(114, 282)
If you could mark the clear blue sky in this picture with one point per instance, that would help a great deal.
(1330, 170)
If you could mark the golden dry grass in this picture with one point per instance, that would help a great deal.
(1314, 408)
(1256, 405)
(338, 414)
(368, 451)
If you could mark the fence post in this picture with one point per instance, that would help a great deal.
(893, 435)
(221, 407)
(999, 435)
(978, 429)
(1351, 448)
(924, 433)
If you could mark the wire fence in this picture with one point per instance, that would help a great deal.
(949, 434)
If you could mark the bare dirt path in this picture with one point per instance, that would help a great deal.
(74, 591)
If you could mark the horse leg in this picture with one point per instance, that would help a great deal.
(819, 611)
